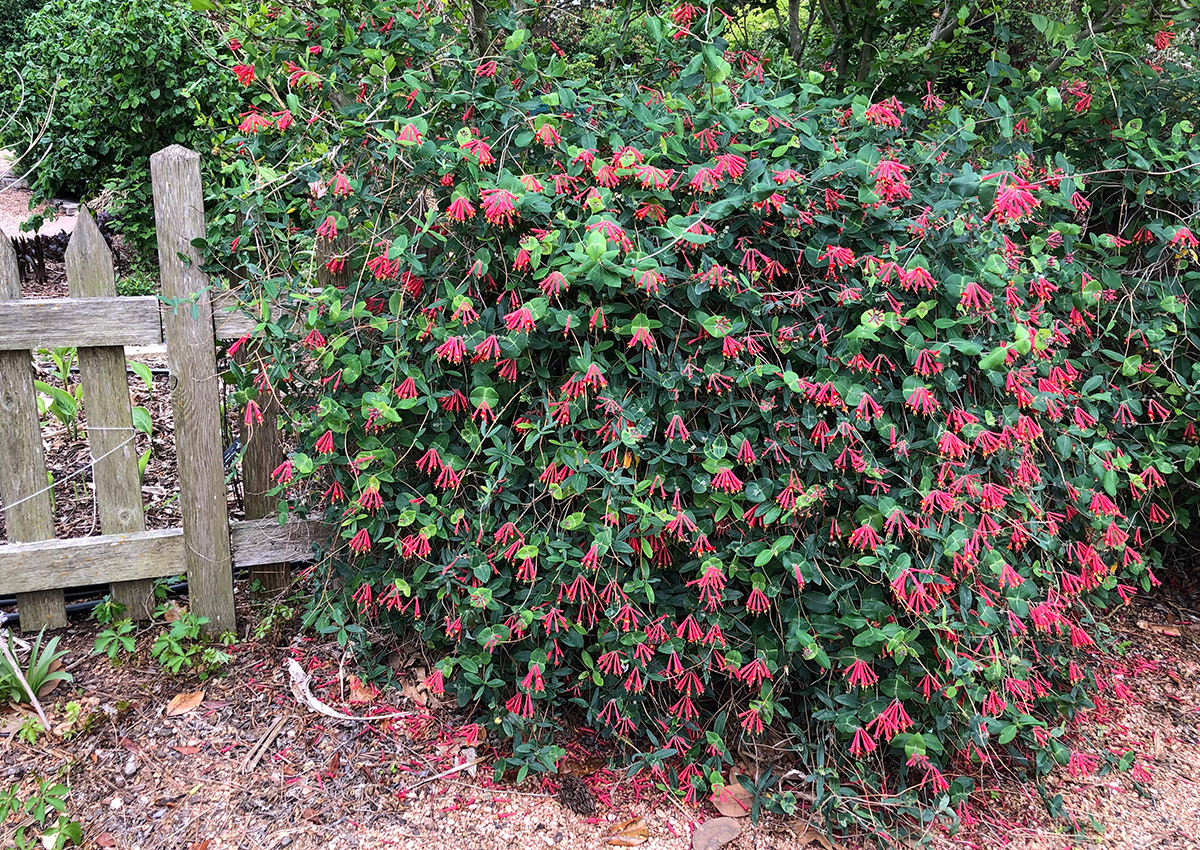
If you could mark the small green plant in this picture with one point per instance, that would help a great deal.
(107, 611)
(61, 402)
(42, 816)
(116, 640)
(184, 646)
(273, 619)
(29, 730)
(39, 673)
(137, 282)
(176, 648)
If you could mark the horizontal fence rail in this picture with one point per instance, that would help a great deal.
(53, 564)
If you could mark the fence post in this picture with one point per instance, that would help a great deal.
(196, 399)
(109, 420)
(28, 513)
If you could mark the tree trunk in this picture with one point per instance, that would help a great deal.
(480, 38)
(794, 47)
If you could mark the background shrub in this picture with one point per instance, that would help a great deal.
(13, 14)
(99, 86)
(718, 409)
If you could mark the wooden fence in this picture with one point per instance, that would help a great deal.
(34, 565)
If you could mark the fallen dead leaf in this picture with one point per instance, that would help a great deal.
(810, 835)
(200, 845)
(49, 687)
(183, 703)
(584, 767)
(733, 800)
(629, 833)
(105, 839)
(173, 612)
(1158, 629)
(362, 693)
(715, 833)
(417, 692)
(187, 750)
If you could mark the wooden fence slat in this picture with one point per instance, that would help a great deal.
(75, 323)
(28, 513)
(118, 485)
(179, 219)
(79, 561)
(261, 454)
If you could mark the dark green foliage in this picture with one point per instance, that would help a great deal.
(99, 86)
(13, 14)
(723, 409)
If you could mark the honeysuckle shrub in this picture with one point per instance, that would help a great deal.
(712, 411)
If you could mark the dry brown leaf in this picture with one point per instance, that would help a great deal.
(48, 687)
(105, 839)
(583, 767)
(733, 800)
(629, 833)
(173, 612)
(810, 835)
(183, 703)
(200, 845)
(417, 692)
(1156, 628)
(362, 693)
(187, 750)
(715, 833)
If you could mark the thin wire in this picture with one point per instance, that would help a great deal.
(90, 465)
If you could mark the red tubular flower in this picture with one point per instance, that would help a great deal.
(361, 542)
(253, 414)
(244, 74)
(498, 207)
(460, 209)
(863, 744)
(410, 135)
(325, 444)
(328, 229)
(865, 538)
(547, 134)
(453, 349)
(1013, 202)
(726, 481)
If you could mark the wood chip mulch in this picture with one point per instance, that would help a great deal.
(251, 766)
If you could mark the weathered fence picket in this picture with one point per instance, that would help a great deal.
(195, 397)
(102, 372)
(28, 512)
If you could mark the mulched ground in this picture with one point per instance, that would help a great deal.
(141, 779)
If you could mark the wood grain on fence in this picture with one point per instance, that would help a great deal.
(110, 431)
(196, 401)
(28, 511)
(70, 322)
(26, 567)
